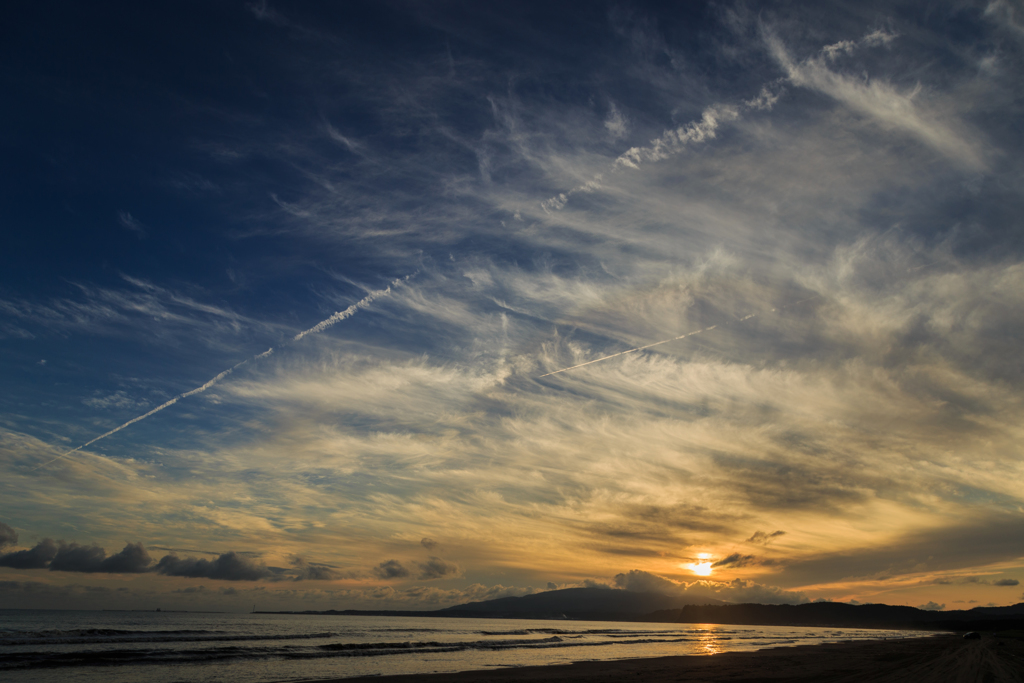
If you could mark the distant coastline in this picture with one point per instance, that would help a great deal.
(594, 604)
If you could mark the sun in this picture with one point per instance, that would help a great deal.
(703, 567)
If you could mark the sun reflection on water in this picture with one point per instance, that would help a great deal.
(707, 643)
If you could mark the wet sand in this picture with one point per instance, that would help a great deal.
(995, 658)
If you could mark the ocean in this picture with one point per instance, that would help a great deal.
(53, 646)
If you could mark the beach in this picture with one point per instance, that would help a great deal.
(40, 646)
(995, 658)
(43, 646)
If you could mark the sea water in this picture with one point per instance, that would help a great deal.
(161, 647)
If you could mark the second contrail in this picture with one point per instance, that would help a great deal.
(319, 327)
(666, 341)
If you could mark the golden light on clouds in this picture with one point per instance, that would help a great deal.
(838, 415)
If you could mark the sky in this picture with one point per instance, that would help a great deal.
(386, 283)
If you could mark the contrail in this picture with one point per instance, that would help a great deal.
(351, 310)
(666, 341)
(623, 353)
(319, 327)
(160, 407)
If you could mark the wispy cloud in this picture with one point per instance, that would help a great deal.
(131, 223)
(909, 111)
(319, 327)
(616, 123)
(1008, 15)
(145, 309)
(227, 567)
(645, 217)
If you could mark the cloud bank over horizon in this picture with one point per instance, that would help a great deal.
(724, 299)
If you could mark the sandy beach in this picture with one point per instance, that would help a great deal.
(995, 658)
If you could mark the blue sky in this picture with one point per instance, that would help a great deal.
(818, 202)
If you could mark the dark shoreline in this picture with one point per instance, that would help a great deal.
(994, 658)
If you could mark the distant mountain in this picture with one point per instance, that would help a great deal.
(1011, 610)
(604, 604)
(583, 604)
(573, 603)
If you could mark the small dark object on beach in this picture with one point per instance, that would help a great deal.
(972, 635)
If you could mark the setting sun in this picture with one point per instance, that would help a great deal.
(703, 567)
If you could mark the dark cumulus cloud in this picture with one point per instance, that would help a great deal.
(436, 568)
(392, 569)
(62, 556)
(429, 543)
(763, 538)
(37, 557)
(735, 560)
(9, 536)
(72, 557)
(1006, 582)
(230, 566)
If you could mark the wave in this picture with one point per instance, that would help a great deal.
(613, 632)
(463, 645)
(112, 657)
(112, 636)
(61, 633)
